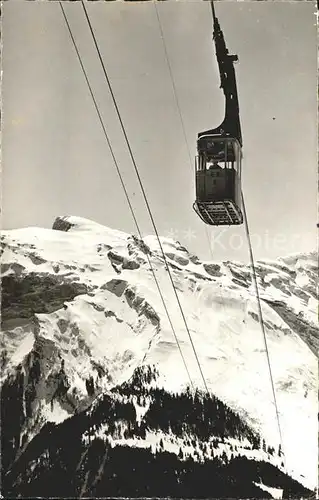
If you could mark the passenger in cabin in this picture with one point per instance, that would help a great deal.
(214, 165)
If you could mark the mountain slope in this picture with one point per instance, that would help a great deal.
(185, 445)
(81, 313)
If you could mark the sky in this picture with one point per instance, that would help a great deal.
(56, 161)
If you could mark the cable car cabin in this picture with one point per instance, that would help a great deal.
(218, 173)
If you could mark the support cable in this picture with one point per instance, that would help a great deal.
(124, 188)
(143, 192)
(254, 276)
(184, 134)
(261, 320)
(213, 9)
(179, 108)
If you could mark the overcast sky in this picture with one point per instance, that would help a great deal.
(55, 157)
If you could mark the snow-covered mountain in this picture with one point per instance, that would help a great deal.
(89, 357)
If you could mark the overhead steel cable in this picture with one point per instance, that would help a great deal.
(143, 191)
(124, 188)
(213, 9)
(184, 133)
(261, 319)
(254, 276)
(178, 106)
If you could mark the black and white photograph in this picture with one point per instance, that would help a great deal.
(159, 249)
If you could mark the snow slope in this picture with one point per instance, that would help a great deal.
(82, 300)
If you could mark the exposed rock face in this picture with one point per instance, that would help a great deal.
(213, 269)
(297, 322)
(89, 358)
(62, 224)
(24, 295)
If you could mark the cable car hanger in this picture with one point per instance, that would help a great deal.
(231, 123)
(218, 160)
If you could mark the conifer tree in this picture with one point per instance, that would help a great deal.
(264, 445)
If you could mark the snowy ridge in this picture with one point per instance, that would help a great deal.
(81, 312)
